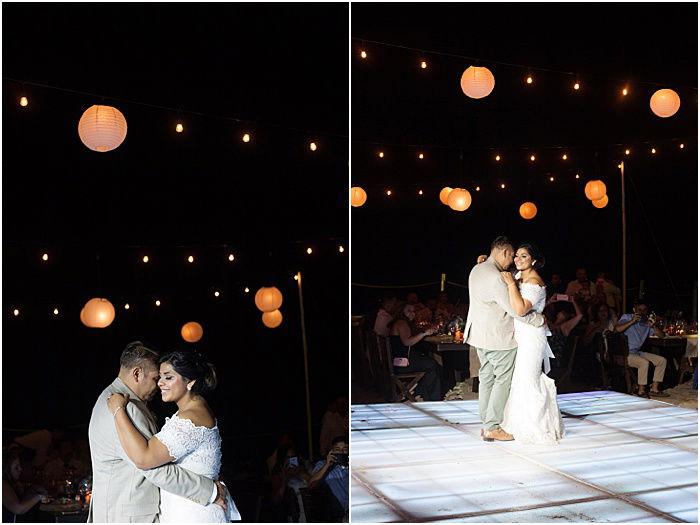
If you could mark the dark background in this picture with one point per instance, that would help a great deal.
(283, 71)
(401, 109)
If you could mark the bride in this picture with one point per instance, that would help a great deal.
(531, 413)
(190, 438)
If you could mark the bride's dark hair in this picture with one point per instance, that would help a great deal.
(535, 253)
(192, 367)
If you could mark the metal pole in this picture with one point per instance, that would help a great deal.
(624, 241)
(442, 282)
(306, 370)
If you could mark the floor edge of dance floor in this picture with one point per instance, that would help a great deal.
(623, 459)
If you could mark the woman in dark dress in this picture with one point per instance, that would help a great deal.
(15, 500)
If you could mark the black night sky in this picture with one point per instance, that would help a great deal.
(282, 71)
(401, 109)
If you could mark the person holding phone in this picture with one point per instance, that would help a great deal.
(334, 471)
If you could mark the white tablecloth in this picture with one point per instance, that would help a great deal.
(691, 348)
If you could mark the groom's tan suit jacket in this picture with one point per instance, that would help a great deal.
(490, 319)
(121, 492)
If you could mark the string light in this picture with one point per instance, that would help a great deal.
(529, 79)
(15, 312)
(312, 146)
(363, 54)
(309, 251)
(420, 192)
(551, 179)
(564, 156)
(624, 92)
(145, 258)
(388, 193)
(498, 158)
(653, 150)
(55, 311)
(341, 249)
(619, 166)
(157, 302)
(231, 257)
(45, 257)
(421, 156)
(682, 146)
(627, 152)
(179, 127)
(381, 154)
(423, 64)
(503, 186)
(216, 294)
(126, 306)
(577, 86)
(190, 259)
(296, 277)
(23, 102)
(246, 290)
(577, 176)
(246, 137)
(478, 188)
(532, 158)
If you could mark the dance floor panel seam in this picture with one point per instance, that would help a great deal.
(444, 471)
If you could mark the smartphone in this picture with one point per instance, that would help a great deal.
(293, 461)
(561, 297)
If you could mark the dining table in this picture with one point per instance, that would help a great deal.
(452, 356)
(676, 349)
(64, 510)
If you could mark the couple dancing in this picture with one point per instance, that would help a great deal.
(142, 475)
(517, 400)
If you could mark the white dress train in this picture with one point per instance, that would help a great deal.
(197, 449)
(531, 414)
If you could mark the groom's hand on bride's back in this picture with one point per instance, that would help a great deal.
(220, 495)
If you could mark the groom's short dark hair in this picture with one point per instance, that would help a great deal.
(501, 242)
(137, 354)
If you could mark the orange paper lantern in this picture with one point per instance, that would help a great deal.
(601, 203)
(268, 299)
(665, 103)
(192, 332)
(358, 196)
(102, 128)
(528, 210)
(459, 199)
(272, 319)
(477, 82)
(97, 313)
(595, 190)
(444, 193)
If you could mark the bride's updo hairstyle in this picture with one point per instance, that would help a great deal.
(192, 367)
(535, 253)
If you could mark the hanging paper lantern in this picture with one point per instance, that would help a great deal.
(665, 103)
(268, 299)
(528, 210)
(97, 313)
(192, 332)
(358, 196)
(477, 82)
(444, 193)
(601, 203)
(102, 128)
(272, 319)
(459, 199)
(595, 190)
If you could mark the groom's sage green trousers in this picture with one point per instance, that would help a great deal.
(495, 375)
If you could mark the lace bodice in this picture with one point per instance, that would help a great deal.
(195, 448)
(534, 293)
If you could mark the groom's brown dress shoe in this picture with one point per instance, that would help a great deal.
(499, 435)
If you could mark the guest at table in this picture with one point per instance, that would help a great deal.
(288, 472)
(335, 422)
(444, 306)
(562, 317)
(412, 298)
(581, 290)
(64, 466)
(637, 327)
(613, 295)
(334, 472)
(16, 501)
(601, 321)
(401, 341)
(385, 315)
(555, 286)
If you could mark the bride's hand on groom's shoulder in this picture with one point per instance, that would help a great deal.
(481, 258)
(117, 400)
(508, 278)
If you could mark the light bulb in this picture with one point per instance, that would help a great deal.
(190, 259)
(15, 312)
(627, 152)
(231, 257)
(246, 137)
(682, 146)
(478, 188)
(216, 294)
(312, 146)
(532, 158)
(420, 192)
(341, 249)
(145, 258)
(363, 54)
(381, 154)
(498, 158)
(296, 277)
(55, 311)
(309, 251)
(126, 306)
(45, 257)
(551, 179)
(577, 176)
(388, 192)
(564, 156)
(653, 150)
(503, 186)
(246, 290)
(624, 92)
(619, 166)
(577, 85)
(179, 128)
(529, 79)
(420, 156)
(157, 303)
(423, 64)
(23, 102)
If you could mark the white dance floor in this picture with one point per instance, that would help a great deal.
(623, 459)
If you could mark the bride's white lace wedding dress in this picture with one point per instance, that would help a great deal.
(531, 413)
(197, 449)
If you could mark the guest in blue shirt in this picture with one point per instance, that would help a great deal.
(637, 327)
(334, 471)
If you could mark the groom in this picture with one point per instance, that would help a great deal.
(489, 329)
(121, 492)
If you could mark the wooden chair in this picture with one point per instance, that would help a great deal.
(602, 350)
(401, 384)
(618, 351)
(563, 381)
(316, 504)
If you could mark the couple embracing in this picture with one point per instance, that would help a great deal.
(141, 474)
(517, 400)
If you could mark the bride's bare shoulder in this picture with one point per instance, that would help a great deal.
(200, 416)
(535, 279)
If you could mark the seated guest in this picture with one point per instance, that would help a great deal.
(562, 317)
(613, 295)
(15, 500)
(384, 316)
(637, 327)
(334, 472)
(444, 306)
(287, 475)
(407, 359)
(64, 466)
(412, 298)
(335, 422)
(602, 321)
(581, 290)
(556, 285)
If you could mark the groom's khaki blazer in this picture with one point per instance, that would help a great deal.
(120, 491)
(489, 323)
